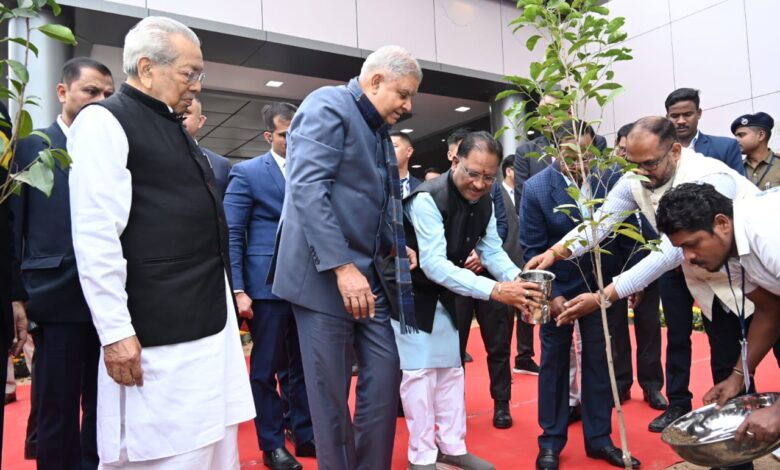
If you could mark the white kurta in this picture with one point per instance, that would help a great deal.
(192, 391)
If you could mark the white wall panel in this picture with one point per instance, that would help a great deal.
(332, 21)
(380, 23)
(468, 34)
(718, 121)
(641, 16)
(647, 79)
(517, 58)
(710, 54)
(763, 39)
(681, 8)
(244, 13)
(770, 104)
(135, 3)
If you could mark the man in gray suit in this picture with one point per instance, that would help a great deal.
(335, 258)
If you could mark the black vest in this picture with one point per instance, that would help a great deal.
(464, 225)
(175, 242)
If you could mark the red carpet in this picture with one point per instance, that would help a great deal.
(514, 448)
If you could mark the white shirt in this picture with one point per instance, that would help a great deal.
(757, 236)
(280, 161)
(692, 145)
(192, 391)
(63, 127)
(511, 191)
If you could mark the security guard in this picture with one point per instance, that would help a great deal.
(753, 132)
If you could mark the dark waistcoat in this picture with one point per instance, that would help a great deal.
(464, 225)
(175, 242)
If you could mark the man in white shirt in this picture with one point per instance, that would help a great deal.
(150, 240)
(713, 231)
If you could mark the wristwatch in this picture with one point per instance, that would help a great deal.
(607, 302)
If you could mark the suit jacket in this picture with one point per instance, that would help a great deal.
(724, 149)
(253, 206)
(221, 167)
(334, 207)
(512, 241)
(42, 226)
(413, 183)
(541, 227)
(527, 166)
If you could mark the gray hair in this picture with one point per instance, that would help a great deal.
(394, 60)
(150, 38)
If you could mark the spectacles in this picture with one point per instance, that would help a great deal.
(193, 76)
(651, 165)
(474, 175)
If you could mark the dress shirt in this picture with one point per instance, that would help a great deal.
(766, 173)
(183, 408)
(63, 127)
(511, 191)
(432, 244)
(757, 237)
(280, 161)
(692, 145)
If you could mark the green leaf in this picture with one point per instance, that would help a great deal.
(23, 42)
(530, 12)
(58, 32)
(25, 124)
(600, 10)
(506, 93)
(574, 192)
(531, 42)
(43, 136)
(19, 70)
(62, 158)
(38, 176)
(500, 132)
(632, 234)
(536, 69)
(46, 158)
(55, 7)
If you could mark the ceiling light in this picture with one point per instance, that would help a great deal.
(462, 109)
(416, 166)
(444, 140)
(530, 132)
(274, 83)
(407, 131)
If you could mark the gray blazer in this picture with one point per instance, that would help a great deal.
(333, 210)
(512, 242)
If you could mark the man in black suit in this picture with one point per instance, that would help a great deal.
(193, 121)
(402, 145)
(67, 346)
(13, 321)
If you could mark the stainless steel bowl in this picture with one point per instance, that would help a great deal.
(706, 436)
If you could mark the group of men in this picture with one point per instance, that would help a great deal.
(137, 269)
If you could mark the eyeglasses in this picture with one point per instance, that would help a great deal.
(651, 165)
(474, 175)
(193, 76)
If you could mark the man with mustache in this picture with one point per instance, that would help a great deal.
(652, 145)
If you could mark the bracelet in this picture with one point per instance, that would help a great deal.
(739, 372)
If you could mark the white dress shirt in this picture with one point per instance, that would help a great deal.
(63, 127)
(192, 391)
(757, 236)
(511, 191)
(280, 162)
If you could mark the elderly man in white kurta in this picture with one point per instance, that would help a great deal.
(151, 246)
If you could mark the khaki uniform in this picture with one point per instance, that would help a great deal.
(766, 174)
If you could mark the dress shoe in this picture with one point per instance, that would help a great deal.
(575, 414)
(468, 358)
(281, 459)
(502, 419)
(666, 418)
(307, 449)
(10, 397)
(416, 466)
(612, 455)
(547, 460)
(656, 399)
(526, 367)
(465, 462)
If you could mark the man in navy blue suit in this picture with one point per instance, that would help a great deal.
(67, 345)
(682, 108)
(193, 121)
(253, 205)
(541, 225)
(402, 145)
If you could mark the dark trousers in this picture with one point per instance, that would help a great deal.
(554, 385)
(275, 348)
(678, 312)
(4, 346)
(524, 333)
(65, 377)
(494, 324)
(365, 443)
(647, 331)
(31, 438)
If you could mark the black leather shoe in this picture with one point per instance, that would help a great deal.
(307, 449)
(575, 414)
(547, 460)
(467, 358)
(502, 419)
(656, 399)
(612, 455)
(281, 459)
(666, 418)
